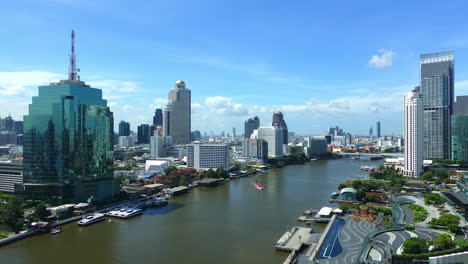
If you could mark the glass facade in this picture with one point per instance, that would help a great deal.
(460, 137)
(68, 145)
(437, 75)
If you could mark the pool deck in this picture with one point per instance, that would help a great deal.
(294, 238)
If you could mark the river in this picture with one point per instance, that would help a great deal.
(232, 223)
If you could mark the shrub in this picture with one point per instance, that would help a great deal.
(420, 213)
(415, 245)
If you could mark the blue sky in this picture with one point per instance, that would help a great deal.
(322, 63)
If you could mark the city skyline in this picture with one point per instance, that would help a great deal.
(300, 81)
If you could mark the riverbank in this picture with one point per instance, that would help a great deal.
(232, 223)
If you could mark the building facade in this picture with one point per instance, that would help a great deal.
(177, 115)
(255, 148)
(378, 130)
(208, 156)
(437, 89)
(11, 173)
(459, 129)
(124, 128)
(68, 144)
(143, 134)
(278, 121)
(250, 125)
(158, 145)
(274, 136)
(413, 126)
(126, 141)
(158, 117)
(315, 145)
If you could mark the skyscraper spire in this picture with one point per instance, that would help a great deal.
(73, 70)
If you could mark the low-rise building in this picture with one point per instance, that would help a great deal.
(11, 173)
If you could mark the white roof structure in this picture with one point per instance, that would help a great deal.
(155, 164)
(325, 211)
(349, 189)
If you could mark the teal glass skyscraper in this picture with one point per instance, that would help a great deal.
(460, 129)
(437, 89)
(68, 143)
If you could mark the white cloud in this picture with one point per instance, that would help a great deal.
(22, 83)
(383, 59)
(225, 105)
(112, 104)
(158, 103)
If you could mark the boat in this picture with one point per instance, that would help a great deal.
(125, 212)
(376, 158)
(55, 230)
(91, 219)
(259, 186)
(262, 171)
(356, 158)
(334, 194)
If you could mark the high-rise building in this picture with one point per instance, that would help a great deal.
(208, 156)
(378, 130)
(177, 115)
(274, 136)
(126, 141)
(315, 145)
(250, 125)
(459, 129)
(143, 134)
(158, 117)
(9, 123)
(158, 145)
(255, 148)
(68, 143)
(278, 121)
(413, 125)
(233, 132)
(196, 135)
(437, 89)
(124, 128)
(371, 132)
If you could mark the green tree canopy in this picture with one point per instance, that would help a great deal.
(442, 242)
(169, 169)
(11, 214)
(427, 176)
(415, 245)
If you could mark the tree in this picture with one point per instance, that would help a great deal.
(454, 228)
(11, 214)
(372, 197)
(183, 180)
(442, 242)
(221, 173)
(360, 195)
(427, 176)
(169, 169)
(441, 174)
(40, 212)
(210, 174)
(415, 245)
(460, 242)
(298, 156)
(236, 167)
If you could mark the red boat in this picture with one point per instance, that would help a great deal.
(259, 186)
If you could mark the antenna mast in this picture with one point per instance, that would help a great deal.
(73, 70)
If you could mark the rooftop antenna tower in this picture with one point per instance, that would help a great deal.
(73, 70)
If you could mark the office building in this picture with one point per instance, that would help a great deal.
(255, 148)
(233, 132)
(143, 134)
(68, 143)
(159, 144)
(9, 123)
(437, 89)
(8, 137)
(250, 125)
(124, 128)
(413, 125)
(459, 129)
(208, 156)
(371, 132)
(11, 173)
(177, 115)
(126, 141)
(274, 136)
(378, 130)
(315, 145)
(158, 117)
(278, 121)
(196, 135)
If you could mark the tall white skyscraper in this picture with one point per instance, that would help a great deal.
(274, 136)
(413, 131)
(177, 115)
